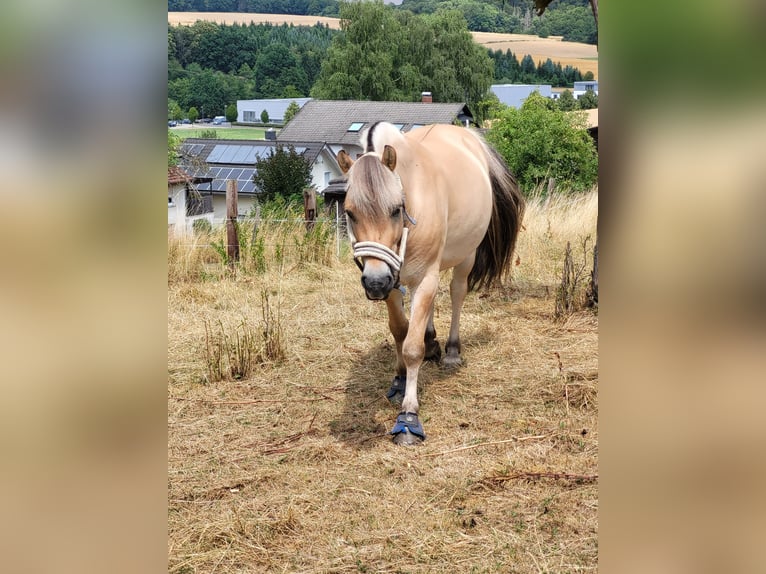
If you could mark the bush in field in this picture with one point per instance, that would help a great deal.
(538, 143)
(284, 173)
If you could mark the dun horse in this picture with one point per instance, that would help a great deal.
(435, 198)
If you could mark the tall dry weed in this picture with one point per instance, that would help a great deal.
(549, 224)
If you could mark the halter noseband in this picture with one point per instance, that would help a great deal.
(379, 251)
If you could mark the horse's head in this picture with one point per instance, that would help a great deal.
(375, 215)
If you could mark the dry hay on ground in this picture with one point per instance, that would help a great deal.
(290, 470)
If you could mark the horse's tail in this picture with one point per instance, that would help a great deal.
(493, 256)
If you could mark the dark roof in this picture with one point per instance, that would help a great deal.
(177, 175)
(336, 189)
(329, 120)
(221, 159)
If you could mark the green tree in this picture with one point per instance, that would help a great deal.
(174, 110)
(588, 100)
(231, 113)
(567, 102)
(284, 173)
(384, 54)
(537, 143)
(264, 117)
(174, 141)
(193, 114)
(292, 109)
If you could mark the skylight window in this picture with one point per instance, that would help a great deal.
(398, 126)
(355, 127)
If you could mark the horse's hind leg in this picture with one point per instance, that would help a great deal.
(458, 289)
(433, 349)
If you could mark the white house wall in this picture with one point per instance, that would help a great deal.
(245, 204)
(178, 223)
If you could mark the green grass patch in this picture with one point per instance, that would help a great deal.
(238, 133)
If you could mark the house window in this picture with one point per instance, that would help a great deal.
(355, 127)
(250, 117)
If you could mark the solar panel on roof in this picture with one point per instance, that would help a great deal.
(228, 154)
(240, 153)
(235, 173)
(248, 186)
(215, 155)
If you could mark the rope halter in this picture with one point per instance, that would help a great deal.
(379, 251)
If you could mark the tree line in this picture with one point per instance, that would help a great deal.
(571, 19)
(296, 7)
(508, 70)
(381, 54)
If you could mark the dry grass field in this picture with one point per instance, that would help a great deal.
(578, 55)
(288, 468)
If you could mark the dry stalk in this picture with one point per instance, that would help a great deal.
(488, 443)
(538, 475)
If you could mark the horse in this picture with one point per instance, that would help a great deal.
(418, 203)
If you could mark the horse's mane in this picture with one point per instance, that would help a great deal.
(374, 190)
(378, 135)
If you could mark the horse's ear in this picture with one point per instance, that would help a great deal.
(389, 157)
(344, 161)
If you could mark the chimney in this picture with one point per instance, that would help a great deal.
(426, 97)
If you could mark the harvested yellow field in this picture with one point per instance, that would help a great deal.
(575, 54)
(189, 18)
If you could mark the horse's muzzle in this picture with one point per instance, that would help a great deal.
(377, 287)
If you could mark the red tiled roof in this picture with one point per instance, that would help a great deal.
(177, 175)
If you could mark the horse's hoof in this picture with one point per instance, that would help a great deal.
(395, 394)
(406, 438)
(408, 431)
(433, 352)
(450, 362)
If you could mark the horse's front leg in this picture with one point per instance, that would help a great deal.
(398, 325)
(408, 429)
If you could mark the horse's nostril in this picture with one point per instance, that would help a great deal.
(376, 281)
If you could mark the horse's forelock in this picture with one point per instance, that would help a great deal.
(372, 188)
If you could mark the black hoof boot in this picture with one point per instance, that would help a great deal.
(396, 393)
(408, 431)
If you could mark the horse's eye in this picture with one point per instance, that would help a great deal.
(351, 216)
(396, 212)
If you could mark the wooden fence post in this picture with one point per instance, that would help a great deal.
(309, 207)
(232, 211)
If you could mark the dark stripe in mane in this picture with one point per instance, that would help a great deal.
(369, 146)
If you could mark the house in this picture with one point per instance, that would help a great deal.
(219, 160)
(249, 111)
(581, 87)
(185, 203)
(339, 123)
(513, 95)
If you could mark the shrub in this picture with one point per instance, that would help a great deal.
(538, 143)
